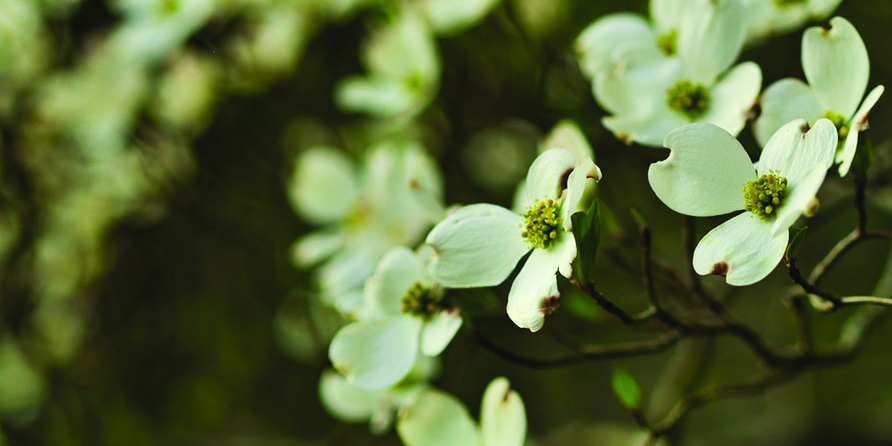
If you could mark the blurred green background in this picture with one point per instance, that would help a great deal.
(146, 291)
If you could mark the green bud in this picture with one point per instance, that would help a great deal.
(688, 98)
(421, 301)
(841, 123)
(765, 195)
(543, 224)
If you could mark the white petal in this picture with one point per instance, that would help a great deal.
(742, 249)
(314, 247)
(782, 102)
(451, 16)
(376, 355)
(405, 48)
(820, 9)
(794, 153)
(857, 124)
(704, 174)
(799, 199)
(669, 15)
(397, 271)
(649, 130)
(477, 246)
(567, 135)
(597, 41)
(731, 100)
(581, 187)
(710, 39)
(534, 291)
(836, 65)
(377, 95)
(436, 418)
(346, 401)
(502, 416)
(439, 331)
(638, 83)
(548, 174)
(521, 200)
(323, 186)
(348, 269)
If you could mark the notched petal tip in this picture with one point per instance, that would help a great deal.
(550, 305)
(720, 269)
(804, 128)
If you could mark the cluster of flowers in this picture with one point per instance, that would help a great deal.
(670, 83)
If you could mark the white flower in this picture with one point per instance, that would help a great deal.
(652, 88)
(405, 316)
(837, 68)
(479, 245)
(709, 173)
(391, 202)
(436, 418)
(766, 18)
(404, 70)
(448, 17)
(352, 404)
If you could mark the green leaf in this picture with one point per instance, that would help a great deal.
(626, 388)
(797, 236)
(587, 231)
(863, 158)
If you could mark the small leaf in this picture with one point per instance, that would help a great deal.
(626, 388)
(587, 232)
(863, 158)
(797, 236)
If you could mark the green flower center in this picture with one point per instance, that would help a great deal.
(764, 195)
(421, 301)
(666, 42)
(688, 98)
(841, 123)
(542, 224)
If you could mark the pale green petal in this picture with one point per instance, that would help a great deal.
(397, 271)
(669, 15)
(314, 247)
(732, 99)
(704, 174)
(436, 418)
(451, 16)
(439, 331)
(637, 85)
(346, 401)
(599, 40)
(404, 49)
(581, 189)
(567, 135)
(782, 102)
(477, 246)
(793, 153)
(323, 186)
(347, 270)
(534, 292)
(377, 95)
(820, 9)
(521, 200)
(799, 199)
(836, 65)
(742, 249)
(649, 130)
(547, 177)
(376, 355)
(858, 124)
(503, 419)
(711, 38)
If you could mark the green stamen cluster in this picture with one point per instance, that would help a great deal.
(841, 123)
(666, 42)
(420, 301)
(688, 98)
(764, 195)
(542, 224)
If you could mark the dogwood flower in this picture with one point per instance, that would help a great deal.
(436, 418)
(391, 202)
(599, 44)
(406, 316)
(766, 18)
(649, 94)
(404, 70)
(837, 68)
(479, 245)
(709, 173)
